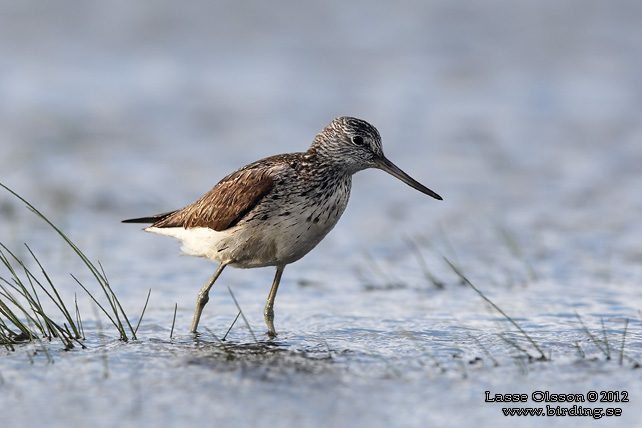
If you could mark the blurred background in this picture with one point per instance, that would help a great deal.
(526, 114)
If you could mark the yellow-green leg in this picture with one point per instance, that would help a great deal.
(204, 297)
(268, 312)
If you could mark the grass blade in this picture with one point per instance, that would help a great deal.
(231, 325)
(142, 313)
(243, 315)
(171, 332)
(626, 326)
(497, 308)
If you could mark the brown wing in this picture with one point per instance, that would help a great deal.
(227, 203)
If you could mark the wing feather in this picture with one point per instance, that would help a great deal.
(226, 204)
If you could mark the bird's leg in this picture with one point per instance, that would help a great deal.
(204, 297)
(268, 312)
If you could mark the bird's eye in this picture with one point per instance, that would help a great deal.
(358, 140)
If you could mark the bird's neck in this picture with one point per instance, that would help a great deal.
(324, 163)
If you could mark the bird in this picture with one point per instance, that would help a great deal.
(274, 211)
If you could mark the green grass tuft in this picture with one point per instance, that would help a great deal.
(22, 314)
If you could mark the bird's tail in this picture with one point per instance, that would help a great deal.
(151, 219)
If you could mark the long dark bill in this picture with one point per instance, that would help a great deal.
(385, 165)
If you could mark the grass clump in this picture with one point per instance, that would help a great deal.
(23, 317)
(22, 314)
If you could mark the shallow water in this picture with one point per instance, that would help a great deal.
(526, 118)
